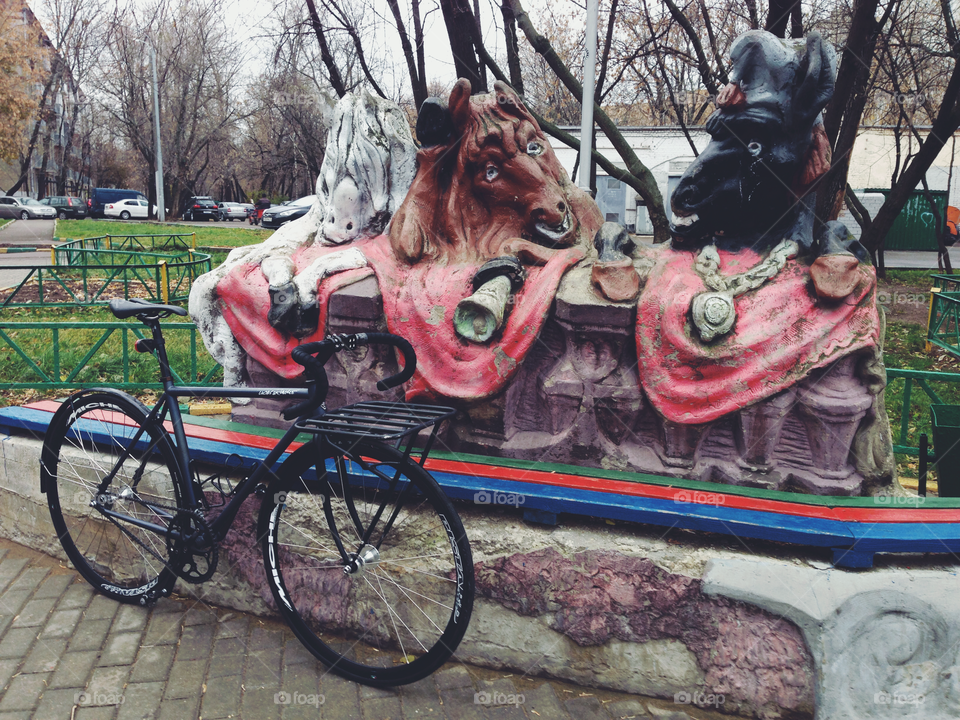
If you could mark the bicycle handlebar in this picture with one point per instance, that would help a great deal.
(313, 356)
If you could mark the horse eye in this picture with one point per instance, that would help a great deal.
(754, 148)
(534, 148)
(492, 172)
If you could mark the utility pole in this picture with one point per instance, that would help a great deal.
(161, 212)
(589, 89)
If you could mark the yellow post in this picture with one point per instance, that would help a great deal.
(164, 284)
(108, 241)
(928, 347)
(53, 256)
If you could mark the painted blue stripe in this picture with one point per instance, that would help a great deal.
(862, 539)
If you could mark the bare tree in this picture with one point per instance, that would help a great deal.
(198, 65)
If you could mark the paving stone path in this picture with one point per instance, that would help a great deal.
(67, 653)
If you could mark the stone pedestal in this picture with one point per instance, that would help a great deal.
(884, 642)
(576, 399)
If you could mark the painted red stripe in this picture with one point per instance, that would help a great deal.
(200, 432)
(702, 497)
(879, 514)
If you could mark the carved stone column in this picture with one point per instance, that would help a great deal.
(832, 404)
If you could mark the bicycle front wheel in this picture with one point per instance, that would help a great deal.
(112, 486)
(391, 605)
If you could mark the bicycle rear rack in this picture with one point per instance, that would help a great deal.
(380, 420)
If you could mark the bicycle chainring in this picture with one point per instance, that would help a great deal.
(191, 547)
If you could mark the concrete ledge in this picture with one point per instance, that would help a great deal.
(611, 606)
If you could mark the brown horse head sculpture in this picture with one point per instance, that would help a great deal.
(487, 180)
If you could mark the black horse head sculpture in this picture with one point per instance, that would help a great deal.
(767, 147)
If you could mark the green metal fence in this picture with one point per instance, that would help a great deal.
(151, 243)
(92, 276)
(50, 355)
(909, 417)
(943, 325)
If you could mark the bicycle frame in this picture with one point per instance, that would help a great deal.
(168, 404)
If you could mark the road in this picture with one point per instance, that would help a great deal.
(24, 234)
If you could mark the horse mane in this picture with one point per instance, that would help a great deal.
(370, 143)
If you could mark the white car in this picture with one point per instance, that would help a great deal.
(126, 209)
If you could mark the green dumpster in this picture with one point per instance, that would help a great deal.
(946, 447)
(915, 227)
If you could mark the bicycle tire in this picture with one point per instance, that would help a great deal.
(82, 445)
(404, 613)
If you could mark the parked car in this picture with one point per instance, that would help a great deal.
(66, 206)
(25, 208)
(282, 214)
(232, 211)
(126, 209)
(99, 197)
(200, 207)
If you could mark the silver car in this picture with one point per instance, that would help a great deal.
(232, 211)
(25, 208)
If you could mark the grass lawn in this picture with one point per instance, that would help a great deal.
(4, 222)
(238, 236)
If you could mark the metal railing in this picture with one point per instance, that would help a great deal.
(921, 379)
(943, 319)
(50, 355)
(105, 274)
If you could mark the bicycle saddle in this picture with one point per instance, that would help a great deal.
(128, 308)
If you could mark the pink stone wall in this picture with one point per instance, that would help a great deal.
(754, 658)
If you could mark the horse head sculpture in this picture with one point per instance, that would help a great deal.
(767, 147)
(488, 176)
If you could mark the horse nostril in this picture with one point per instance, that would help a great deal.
(561, 207)
(349, 226)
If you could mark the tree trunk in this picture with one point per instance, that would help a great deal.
(513, 48)
(843, 113)
(336, 80)
(461, 26)
(417, 81)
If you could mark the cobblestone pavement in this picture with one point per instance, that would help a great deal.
(69, 654)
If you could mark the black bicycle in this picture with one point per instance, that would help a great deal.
(366, 557)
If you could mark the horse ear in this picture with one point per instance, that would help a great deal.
(507, 98)
(434, 124)
(460, 103)
(815, 79)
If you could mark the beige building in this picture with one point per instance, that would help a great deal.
(56, 156)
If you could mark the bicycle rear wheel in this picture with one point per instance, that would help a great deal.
(401, 606)
(99, 483)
